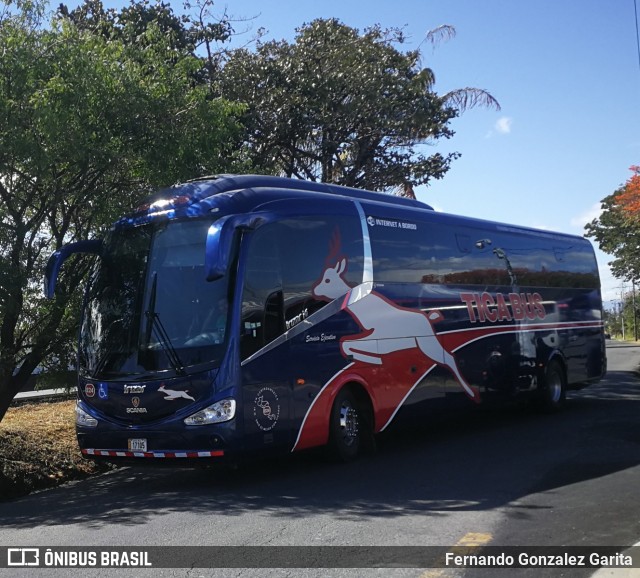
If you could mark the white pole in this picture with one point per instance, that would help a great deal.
(622, 308)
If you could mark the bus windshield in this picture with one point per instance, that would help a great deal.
(148, 307)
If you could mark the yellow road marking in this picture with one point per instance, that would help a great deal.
(474, 539)
(469, 540)
(435, 573)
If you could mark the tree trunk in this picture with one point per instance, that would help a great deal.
(12, 380)
(10, 387)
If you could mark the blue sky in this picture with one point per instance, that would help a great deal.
(565, 72)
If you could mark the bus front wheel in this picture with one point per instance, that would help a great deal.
(345, 433)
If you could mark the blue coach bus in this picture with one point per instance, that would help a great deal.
(242, 314)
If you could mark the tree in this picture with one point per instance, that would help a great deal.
(87, 127)
(184, 35)
(617, 230)
(344, 107)
(629, 198)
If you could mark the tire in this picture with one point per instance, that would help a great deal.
(553, 393)
(345, 428)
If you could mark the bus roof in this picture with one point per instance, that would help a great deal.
(230, 194)
(237, 193)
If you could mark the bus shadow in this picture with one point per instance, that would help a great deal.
(475, 460)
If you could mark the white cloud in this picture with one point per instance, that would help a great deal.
(503, 125)
(587, 216)
(543, 227)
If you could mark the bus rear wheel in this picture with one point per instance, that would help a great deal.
(554, 389)
(345, 429)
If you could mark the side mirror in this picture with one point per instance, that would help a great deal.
(56, 260)
(220, 239)
(218, 247)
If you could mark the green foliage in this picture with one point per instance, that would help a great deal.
(340, 106)
(619, 235)
(623, 319)
(182, 35)
(88, 125)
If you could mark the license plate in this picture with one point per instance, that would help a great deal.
(138, 445)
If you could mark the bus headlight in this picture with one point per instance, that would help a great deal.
(84, 419)
(222, 410)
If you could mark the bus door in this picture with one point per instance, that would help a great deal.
(266, 392)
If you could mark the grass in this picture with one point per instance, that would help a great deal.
(38, 449)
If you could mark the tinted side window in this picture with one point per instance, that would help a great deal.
(262, 314)
(404, 251)
(545, 260)
(422, 252)
(415, 251)
(308, 246)
(285, 261)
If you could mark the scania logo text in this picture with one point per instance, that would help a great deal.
(135, 402)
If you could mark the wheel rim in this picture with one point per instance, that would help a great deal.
(554, 387)
(348, 424)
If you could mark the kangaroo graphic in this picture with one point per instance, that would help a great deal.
(386, 326)
(171, 394)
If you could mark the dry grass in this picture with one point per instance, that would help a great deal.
(38, 448)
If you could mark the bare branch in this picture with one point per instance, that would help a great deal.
(441, 33)
(466, 98)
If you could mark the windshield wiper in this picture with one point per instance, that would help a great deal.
(102, 361)
(106, 357)
(154, 325)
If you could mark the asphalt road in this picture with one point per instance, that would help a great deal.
(508, 477)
